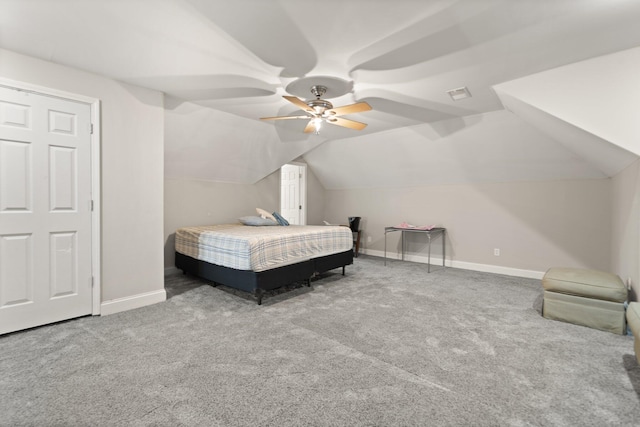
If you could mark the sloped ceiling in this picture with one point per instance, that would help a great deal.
(224, 64)
(209, 144)
(491, 147)
(601, 96)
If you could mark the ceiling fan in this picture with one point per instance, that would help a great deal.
(319, 110)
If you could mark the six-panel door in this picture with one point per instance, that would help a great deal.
(45, 210)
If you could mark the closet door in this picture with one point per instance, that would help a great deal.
(292, 194)
(45, 210)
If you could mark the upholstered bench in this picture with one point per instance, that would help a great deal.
(633, 320)
(585, 297)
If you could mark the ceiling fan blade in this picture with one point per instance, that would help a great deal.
(284, 117)
(351, 124)
(350, 109)
(298, 103)
(311, 127)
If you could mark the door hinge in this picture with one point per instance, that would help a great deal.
(91, 205)
(91, 281)
(91, 128)
(300, 207)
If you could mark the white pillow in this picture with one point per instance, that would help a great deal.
(265, 214)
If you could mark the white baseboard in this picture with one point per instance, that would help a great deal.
(437, 261)
(134, 301)
(171, 270)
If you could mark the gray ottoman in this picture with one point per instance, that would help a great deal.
(585, 297)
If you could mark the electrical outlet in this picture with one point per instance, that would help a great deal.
(496, 252)
(368, 239)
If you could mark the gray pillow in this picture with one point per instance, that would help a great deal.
(256, 220)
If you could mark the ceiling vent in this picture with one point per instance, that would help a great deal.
(459, 93)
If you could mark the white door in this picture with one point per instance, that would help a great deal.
(292, 197)
(45, 210)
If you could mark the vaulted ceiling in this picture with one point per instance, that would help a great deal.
(554, 83)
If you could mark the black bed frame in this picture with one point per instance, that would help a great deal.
(258, 282)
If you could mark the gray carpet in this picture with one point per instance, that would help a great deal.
(382, 346)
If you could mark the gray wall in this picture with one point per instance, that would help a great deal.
(625, 242)
(131, 167)
(536, 225)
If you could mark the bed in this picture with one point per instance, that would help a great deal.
(262, 258)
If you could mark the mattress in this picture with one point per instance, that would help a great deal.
(261, 248)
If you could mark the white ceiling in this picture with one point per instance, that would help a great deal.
(230, 62)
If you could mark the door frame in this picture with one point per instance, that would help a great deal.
(302, 185)
(96, 198)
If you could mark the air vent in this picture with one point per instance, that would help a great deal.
(459, 93)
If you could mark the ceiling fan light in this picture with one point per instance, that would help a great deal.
(317, 122)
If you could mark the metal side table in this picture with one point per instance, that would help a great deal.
(433, 232)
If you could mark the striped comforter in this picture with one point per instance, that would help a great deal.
(261, 248)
